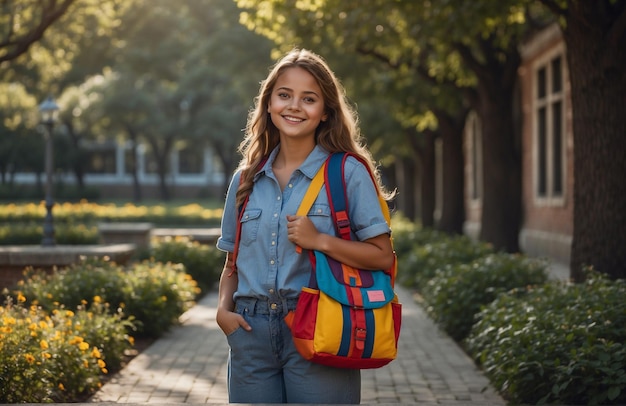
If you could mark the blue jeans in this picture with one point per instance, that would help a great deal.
(265, 367)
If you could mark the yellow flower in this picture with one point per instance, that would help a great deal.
(95, 353)
(9, 321)
(69, 313)
(61, 387)
(32, 326)
(76, 340)
(83, 346)
(97, 299)
(44, 345)
(47, 355)
(85, 363)
(101, 364)
(21, 298)
(29, 358)
(131, 340)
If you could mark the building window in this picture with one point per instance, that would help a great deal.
(474, 134)
(549, 145)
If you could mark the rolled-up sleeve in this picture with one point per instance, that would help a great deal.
(226, 241)
(366, 216)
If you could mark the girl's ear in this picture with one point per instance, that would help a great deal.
(325, 117)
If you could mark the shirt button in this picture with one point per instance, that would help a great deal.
(273, 306)
(319, 210)
(275, 214)
(290, 185)
(273, 242)
(272, 262)
(271, 291)
(277, 197)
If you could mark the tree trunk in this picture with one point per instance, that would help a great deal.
(502, 179)
(502, 190)
(426, 154)
(406, 181)
(597, 61)
(453, 188)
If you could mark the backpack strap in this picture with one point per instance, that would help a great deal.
(338, 198)
(336, 191)
(311, 194)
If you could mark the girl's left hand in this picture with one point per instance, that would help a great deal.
(302, 232)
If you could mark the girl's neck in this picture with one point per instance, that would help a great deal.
(292, 154)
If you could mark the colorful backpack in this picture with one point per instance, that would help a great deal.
(345, 317)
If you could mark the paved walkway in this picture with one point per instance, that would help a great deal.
(188, 365)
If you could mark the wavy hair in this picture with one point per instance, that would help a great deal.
(339, 133)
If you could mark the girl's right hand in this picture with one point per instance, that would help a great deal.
(230, 321)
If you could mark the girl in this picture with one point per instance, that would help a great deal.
(301, 115)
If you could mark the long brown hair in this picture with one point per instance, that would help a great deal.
(339, 133)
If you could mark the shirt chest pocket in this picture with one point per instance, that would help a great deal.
(321, 217)
(250, 225)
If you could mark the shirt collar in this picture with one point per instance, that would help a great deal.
(309, 167)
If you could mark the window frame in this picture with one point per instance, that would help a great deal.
(544, 106)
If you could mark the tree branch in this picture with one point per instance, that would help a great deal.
(15, 47)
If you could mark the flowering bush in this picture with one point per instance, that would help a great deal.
(150, 294)
(203, 262)
(57, 356)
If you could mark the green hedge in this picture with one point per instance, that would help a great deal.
(457, 292)
(32, 233)
(203, 262)
(431, 251)
(151, 294)
(558, 343)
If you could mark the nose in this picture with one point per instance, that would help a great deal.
(294, 105)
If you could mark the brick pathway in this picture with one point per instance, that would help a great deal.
(188, 365)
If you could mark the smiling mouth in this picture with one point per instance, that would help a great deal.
(293, 119)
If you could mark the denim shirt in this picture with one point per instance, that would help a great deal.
(268, 265)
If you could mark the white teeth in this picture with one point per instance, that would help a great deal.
(294, 119)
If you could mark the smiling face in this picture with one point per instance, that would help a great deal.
(296, 105)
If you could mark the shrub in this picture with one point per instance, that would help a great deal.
(72, 285)
(456, 293)
(157, 294)
(434, 251)
(556, 344)
(151, 294)
(32, 233)
(203, 262)
(46, 357)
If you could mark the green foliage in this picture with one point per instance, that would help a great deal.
(557, 343)
(157, 294)
(434, 250)
(150, 294)
(457, 292)
(49, 353)
(89, 214)
(203, 262)
(57, 356)
(31, 233)
(72, 286)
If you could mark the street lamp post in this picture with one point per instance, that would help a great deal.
(48, 110)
